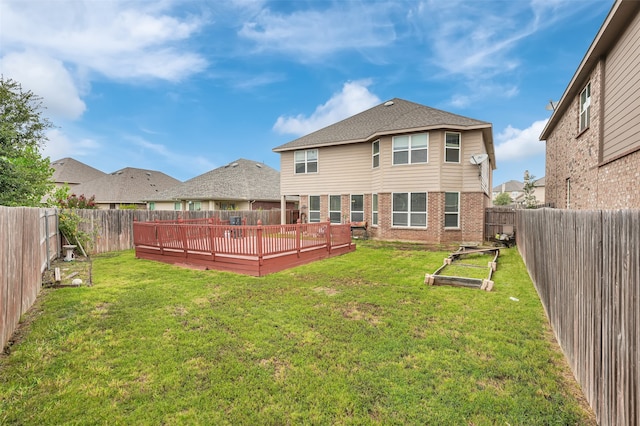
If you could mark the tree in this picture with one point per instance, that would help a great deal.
(528, 189)
(502, 199)
(25, 177)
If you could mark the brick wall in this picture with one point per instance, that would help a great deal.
(575, 156)
(471, 218)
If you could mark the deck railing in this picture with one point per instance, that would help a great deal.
(213, 238)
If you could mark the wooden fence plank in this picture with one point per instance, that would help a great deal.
(586, 268)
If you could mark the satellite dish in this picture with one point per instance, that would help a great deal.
(478, 158)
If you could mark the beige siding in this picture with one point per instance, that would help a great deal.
(622, 100)
(341, 169)
(164, 205)
(347, 169)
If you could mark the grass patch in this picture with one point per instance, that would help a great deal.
(356, 339)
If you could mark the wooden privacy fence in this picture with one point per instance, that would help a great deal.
(113, 229)
(28, 241)
(254, 250)
(495, 218)
(586, 268)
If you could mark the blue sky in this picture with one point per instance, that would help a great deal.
(185, 86)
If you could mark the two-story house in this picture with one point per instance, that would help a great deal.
(410, 171)
(593, 135)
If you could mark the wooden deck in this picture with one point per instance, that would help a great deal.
(252, 250)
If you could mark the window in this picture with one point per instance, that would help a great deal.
(306, 161)
(585, 107)
(410, 149)
(194, 206)
(314, 208)
(410, 209)
(177, 206)
(375, 147)
(452, 147)
(335, 211)
(227, 206)
(152, 205)
(374, 209)
(357, 208)
(451, 209)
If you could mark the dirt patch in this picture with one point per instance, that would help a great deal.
(326, 290)
(78, 268)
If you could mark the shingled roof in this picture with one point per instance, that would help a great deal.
(391, 117)
(239, 180)
(73, 172)
(127, 186)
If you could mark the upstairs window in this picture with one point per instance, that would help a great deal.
(411, 149)
(451, 147)
(585, 107)
(306, 161)
(334, 208)
(375, 148)
(314, 208)
(357, 208)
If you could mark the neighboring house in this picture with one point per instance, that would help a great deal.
(240, 185)
(538, 192)
(593, 135)
(73, 173)
(403, 167)
(511, 187)
(126, 187)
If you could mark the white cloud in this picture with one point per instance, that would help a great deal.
(355, 97)
(514, 144)
(313, 34)
(115, 38)
(47, 78)
(55, 48)
(60, 146)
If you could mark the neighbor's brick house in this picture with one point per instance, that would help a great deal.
(403, 167)
(593, 136)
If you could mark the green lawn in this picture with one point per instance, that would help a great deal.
(356, 339)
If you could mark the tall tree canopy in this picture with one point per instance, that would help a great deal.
(25, 177)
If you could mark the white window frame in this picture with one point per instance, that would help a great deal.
(177, 206)
(448, 212)
(411, 149)
(448, 149)
(152, 205)
(585, 108)
(314, 215)
(375, 154)
(410, 212)
(305, 158)
(352, 211)
(374, 209)
(335, 216)
(195, 206)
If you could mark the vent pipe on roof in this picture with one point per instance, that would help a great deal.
(388, 103)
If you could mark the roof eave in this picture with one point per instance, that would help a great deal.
(621, 13)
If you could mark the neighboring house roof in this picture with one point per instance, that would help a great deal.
(73, 172)
(127, 186)
(620, 15)
(239, 180)
(509, 186)
(391, 117)
(539, 182)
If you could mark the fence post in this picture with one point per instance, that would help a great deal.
(298, 235)
(328, 236)
(46, 233)
(259, 241)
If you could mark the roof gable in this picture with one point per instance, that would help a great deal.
(128, 185)
(239, 180)
(394, 116)
(68, 170)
